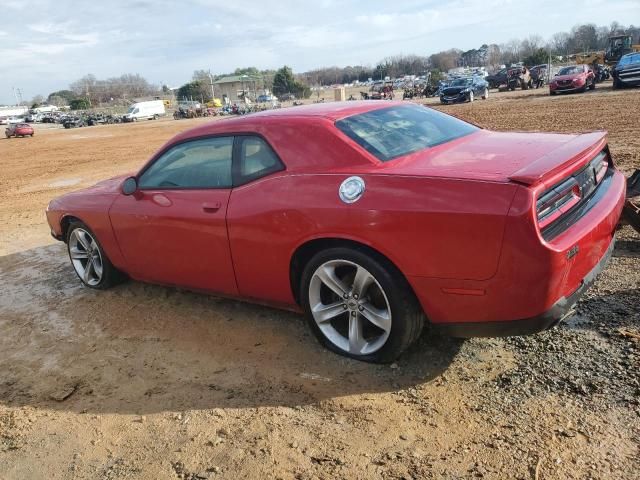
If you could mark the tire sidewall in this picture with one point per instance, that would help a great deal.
(398, 292)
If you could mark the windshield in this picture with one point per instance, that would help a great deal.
(131, 109)
(392, 132)
(570, 70)
(629, 59)
(461, 82)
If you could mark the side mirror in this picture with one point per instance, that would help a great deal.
(130, 186)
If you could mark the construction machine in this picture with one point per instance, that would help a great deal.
(619, 45)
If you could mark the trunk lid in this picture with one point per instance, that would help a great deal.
(526, 158)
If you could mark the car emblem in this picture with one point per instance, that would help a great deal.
(351, 189)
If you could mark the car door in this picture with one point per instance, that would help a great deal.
(173, 229)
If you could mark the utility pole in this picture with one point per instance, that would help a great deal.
(211, 80)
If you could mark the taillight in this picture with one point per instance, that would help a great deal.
(599, 165)
(557, 200)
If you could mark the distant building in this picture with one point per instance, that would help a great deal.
(13, 111)
(237, 87)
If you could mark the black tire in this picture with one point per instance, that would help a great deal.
(110, 275)
(592, 85)
(407, 315)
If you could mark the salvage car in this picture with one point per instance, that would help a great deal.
(574, 78)
(627, 72)
(518, 77)
(497, 79)
(19, 130)
(370, 217)
(464, 90)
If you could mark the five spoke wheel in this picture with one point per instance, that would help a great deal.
(350, 307)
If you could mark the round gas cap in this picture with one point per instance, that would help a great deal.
(351, 189)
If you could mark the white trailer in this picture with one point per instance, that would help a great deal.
(150, 110)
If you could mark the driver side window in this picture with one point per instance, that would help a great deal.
(204, 163)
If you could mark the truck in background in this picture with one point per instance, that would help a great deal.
(150, 110)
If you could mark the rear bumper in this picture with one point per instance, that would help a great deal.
(536, 281)
(562, 309)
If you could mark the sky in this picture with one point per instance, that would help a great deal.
(47, 44)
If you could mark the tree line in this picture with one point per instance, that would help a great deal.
(532, 50)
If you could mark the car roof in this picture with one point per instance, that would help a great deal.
(330, 110)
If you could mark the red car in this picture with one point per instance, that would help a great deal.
(19, 130)
(575, 78)
(370, 217)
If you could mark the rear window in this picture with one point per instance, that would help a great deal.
(392, 132)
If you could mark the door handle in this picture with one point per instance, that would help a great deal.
(211, 207)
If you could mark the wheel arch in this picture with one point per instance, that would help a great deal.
(305, 251)
(65, 222)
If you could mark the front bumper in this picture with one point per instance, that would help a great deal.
(562, 309)
(457, 98)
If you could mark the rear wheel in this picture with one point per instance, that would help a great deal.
(359, 306)
(471, 98)
(89, 260)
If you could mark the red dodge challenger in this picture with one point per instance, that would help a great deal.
(371, 217)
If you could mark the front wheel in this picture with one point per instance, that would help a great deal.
(485, 95)
(89, 260)
(471, 99)
(360, 306)
(592, 85)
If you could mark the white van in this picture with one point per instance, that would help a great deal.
(150, 110)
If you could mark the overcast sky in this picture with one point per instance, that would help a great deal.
(47, 44)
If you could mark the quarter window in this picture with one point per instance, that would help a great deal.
(257, 159)
(204, 163)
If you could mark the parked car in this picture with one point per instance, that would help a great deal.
(538, 75)
(465, 90)
(518, 77)
(574, 78)
(4, 120)
(368, 216)
(601, 72)
(73, 122)
(33, 118)
(627, 72)
(19, 130)
(266, 99)
(287, 97)
(497, 79)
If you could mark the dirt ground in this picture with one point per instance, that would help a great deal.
(155, 383)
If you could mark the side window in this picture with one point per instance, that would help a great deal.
(256, 159)
(204, 163)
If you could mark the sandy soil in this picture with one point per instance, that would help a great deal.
(148, 382)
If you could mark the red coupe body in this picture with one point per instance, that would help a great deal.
(481, 226)
(576, 78)
(19, 130)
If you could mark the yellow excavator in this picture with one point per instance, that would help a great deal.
(619, 45)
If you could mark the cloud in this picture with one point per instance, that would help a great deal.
(53, 42)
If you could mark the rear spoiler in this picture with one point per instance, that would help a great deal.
(577, 150)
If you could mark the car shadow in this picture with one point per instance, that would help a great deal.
(140, 348)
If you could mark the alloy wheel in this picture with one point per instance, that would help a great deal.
(86, 257)
(350, 307)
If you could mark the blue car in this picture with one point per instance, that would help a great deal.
(464, 90)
